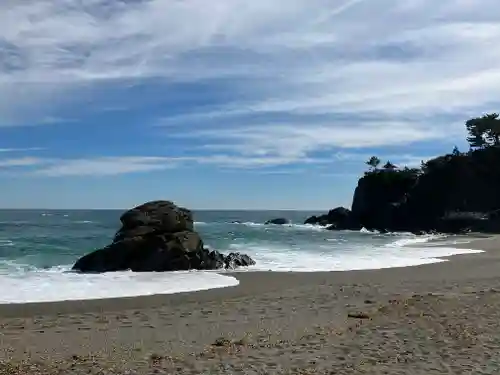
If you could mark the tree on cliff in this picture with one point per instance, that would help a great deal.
(484, 131)
(389, 166)
(373, 162)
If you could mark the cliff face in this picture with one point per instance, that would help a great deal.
(379, 195)
(467, 182)
(428, 199)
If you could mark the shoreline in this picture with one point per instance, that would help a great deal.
(271, 279)
(275, 322)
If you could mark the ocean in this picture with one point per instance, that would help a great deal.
(38, 248)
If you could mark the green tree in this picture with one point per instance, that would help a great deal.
(373, 162)
(484, 131)
(456, 151)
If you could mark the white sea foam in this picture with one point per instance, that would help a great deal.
(56, 285)
(411, 239)
(331, 257)
(364, 230)
(305, 227)
(6, 243)
(289, 226)
(251, 224)
(450, 241)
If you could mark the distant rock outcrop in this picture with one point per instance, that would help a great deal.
(278, 221)
(158, 236)
(453, 193)
(338, 218)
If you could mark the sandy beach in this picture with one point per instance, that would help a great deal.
(433, 319)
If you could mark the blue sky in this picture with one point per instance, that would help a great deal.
(232, 103)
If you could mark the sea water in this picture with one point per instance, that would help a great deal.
(38, 248)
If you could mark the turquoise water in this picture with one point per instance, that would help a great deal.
(37, 249)
(44, 239)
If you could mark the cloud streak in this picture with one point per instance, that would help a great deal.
(303, 78)
(299, 140)
(113, 166)
(3, 150)
(20, 162)
(104, 166)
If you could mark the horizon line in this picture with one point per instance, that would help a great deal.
(191, 209)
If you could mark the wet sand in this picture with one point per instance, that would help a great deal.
(434, 319)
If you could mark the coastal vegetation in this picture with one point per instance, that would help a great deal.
(455, 192)
(483, 132)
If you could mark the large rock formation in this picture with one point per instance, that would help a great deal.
(157, 236)
(452, 193)
(380, 200)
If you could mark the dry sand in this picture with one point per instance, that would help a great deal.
(433, 319)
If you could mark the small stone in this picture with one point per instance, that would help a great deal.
(358, 315)
(221, 341)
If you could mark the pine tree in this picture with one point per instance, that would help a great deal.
(373, 162)
(484, 131)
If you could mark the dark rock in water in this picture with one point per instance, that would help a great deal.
(235, 260)
(160, 215)
(339, 218)
(459, 222)
(278, 221)
(463, 222)
(312, 220)
(158, 236)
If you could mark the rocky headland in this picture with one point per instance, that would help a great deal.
(453, 193)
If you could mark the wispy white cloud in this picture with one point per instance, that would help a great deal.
(389, 67)
(296, 141)
(20, 162)
(21, 149)
(111, 166)
(108, 166)
(103, 166)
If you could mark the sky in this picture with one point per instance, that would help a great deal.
(260, 104)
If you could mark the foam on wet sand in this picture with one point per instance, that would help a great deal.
(61, 285)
